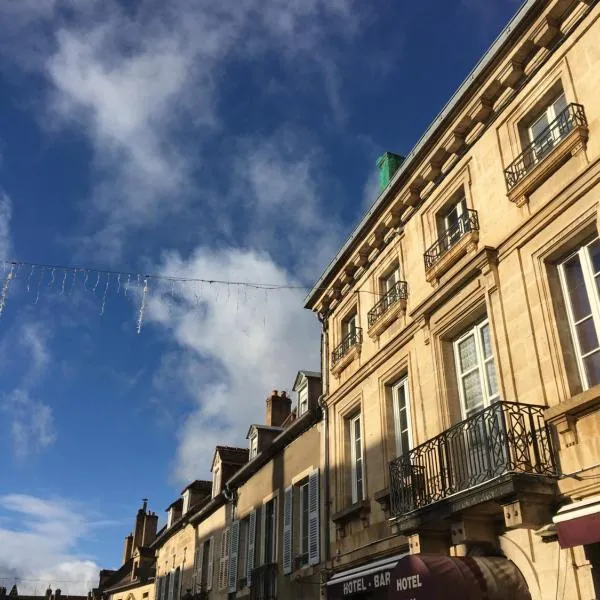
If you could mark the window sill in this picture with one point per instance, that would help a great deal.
(570, 145)
(358, 510)
(466, 244)
(387, 318)
(350, 356)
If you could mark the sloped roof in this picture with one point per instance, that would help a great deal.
(230, 455)
(307, 375)
(198, 486)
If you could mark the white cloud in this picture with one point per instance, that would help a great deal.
(38, 543)
(134, 80)
(31, 420)
(236, 345)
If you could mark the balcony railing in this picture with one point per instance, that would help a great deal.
(264, 582)
(353, 338)
(467, 222)
(505, 437)
(394, 295)
(571, 117)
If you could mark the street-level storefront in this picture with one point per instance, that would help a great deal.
(367, 582)
(430, 577)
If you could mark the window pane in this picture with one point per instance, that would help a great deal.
(486, 343)
(592, 368)
(560, 104)
(586, 334)
(576, 286)
(491, 378)
(357, 429)
(401, 397)
(594, 252)
(472, 391)
(467, 354)
(539, 126)
(403, 420)
(404, 442)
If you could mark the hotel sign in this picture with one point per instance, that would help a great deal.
(361, 584)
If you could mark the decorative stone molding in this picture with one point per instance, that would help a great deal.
(570, 145)
(341, 364)
(358, 510)
(467, 244)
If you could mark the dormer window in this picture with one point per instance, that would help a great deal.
(302, 400)
(186, 501)
(253, 446)
(216, 481)
(170, 518)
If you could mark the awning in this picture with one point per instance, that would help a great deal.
(370, 577)
(578, 523)
(430, 577)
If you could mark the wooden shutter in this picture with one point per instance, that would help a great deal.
(171, 585)
(224, 559)
(313, 518)
(287, 530)
(234, 543)
(251, 547)
(209, 564)
(198, 569)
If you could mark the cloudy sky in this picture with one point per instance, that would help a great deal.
(232, 140)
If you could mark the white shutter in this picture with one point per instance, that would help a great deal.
(224, 559)
(287, 531)
(209, 564)
(251, 546)
(234, 542)
(313, 518)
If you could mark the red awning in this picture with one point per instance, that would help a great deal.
(430, 577)
(578, 523)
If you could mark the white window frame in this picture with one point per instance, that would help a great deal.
(550, 113)
(480, 365)
(216, 481)
(303, 400)
(275, 547)
(253, 445)
(186, 501)
(357, 494)
(349, 325)
(593, 298)
(388, 281)
(402, 384)
(302, 488)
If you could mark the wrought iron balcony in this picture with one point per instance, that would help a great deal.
(505, 437)
(467, 222)
(572, 117)
(396, 293)
(264, 582)
(352, 339)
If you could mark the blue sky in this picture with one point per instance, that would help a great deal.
(221, 140)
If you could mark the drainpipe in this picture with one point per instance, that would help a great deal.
(325, 410)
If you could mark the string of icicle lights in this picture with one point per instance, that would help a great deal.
(36, 278)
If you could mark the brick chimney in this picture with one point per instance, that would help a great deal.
(150, 528)
(128, 548)
(278, 408)
(57, 594)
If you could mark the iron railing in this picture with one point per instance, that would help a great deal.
(571, 117)
(395, 294)
(505, 437)
(301, 561)
(264, 582)
(353, 338)
(467, 222)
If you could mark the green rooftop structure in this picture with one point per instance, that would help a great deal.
(388, 163)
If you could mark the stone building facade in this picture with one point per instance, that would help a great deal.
(461, 337)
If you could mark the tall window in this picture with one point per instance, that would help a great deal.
(402, 420)
(349, 325)
(304, 512)
(253, 445)
(302, 400)
(451, 222)
(176, 584)
(270, 529)
(475, 369)
(356, 459)
(580, 278)
(388, 282)
(538, 131)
